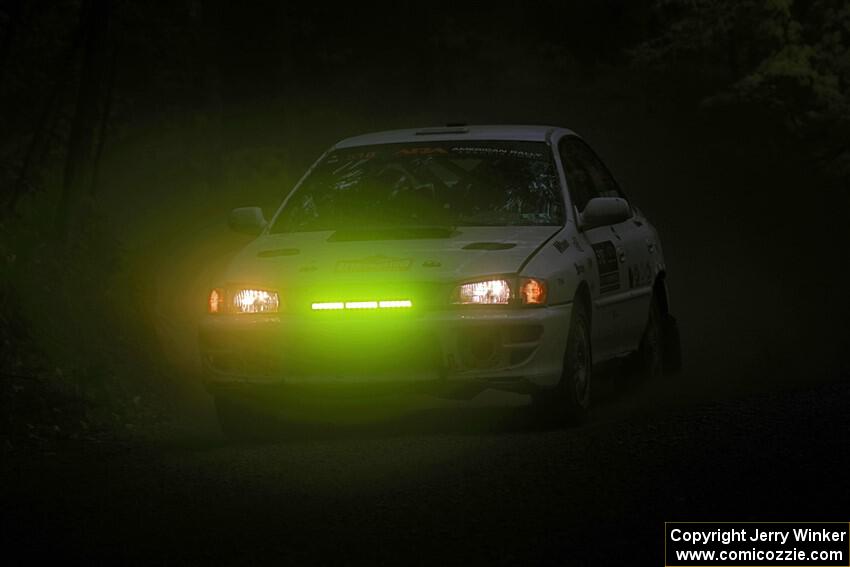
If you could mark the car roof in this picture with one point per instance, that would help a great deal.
(506, 132)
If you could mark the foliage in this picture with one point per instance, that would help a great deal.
(76, 349)
(788, 59)
(215, 104)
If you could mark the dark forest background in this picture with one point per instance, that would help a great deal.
(129, 129)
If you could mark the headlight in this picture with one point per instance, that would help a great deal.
(244, 301)
(488, 292)
(531, 291)
(255, 301)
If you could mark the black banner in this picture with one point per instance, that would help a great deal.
(822, 544)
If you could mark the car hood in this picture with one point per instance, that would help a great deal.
(439, 256)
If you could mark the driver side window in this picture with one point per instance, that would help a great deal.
(587, 176)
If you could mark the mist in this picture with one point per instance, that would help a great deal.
(130, 130)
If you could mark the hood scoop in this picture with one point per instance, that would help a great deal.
(279, 252)
(490, 246)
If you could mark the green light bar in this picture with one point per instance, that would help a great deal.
(328, 306)
(395, 304)
(336, 305)
(361, 304)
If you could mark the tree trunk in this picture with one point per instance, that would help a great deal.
(104, 121)
(213, 162)
(14, 15)
(79, 156)
(44, 129)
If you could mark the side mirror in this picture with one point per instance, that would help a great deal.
(603, 211)
(249, 220)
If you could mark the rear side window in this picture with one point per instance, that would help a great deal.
(587, 176)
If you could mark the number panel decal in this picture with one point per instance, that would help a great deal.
(608, 266)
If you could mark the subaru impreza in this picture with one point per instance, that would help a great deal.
(447, 259)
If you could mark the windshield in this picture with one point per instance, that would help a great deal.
(478, 183)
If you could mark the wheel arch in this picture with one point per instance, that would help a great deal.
(659, 290)
(582, 297)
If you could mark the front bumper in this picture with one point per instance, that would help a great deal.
(503, 348)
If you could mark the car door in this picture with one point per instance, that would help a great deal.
(620, 309)
(638, 248)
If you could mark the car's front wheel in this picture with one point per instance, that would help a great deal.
(651, 351)
(570, 400)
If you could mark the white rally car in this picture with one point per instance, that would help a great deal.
(441, 259)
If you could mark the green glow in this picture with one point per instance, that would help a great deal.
(387, 304)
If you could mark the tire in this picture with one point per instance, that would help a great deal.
(238, 419)
(570, 400)
(672, 345)
(650, 355)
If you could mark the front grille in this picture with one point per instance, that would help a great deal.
(346, 348)
(493, 347)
